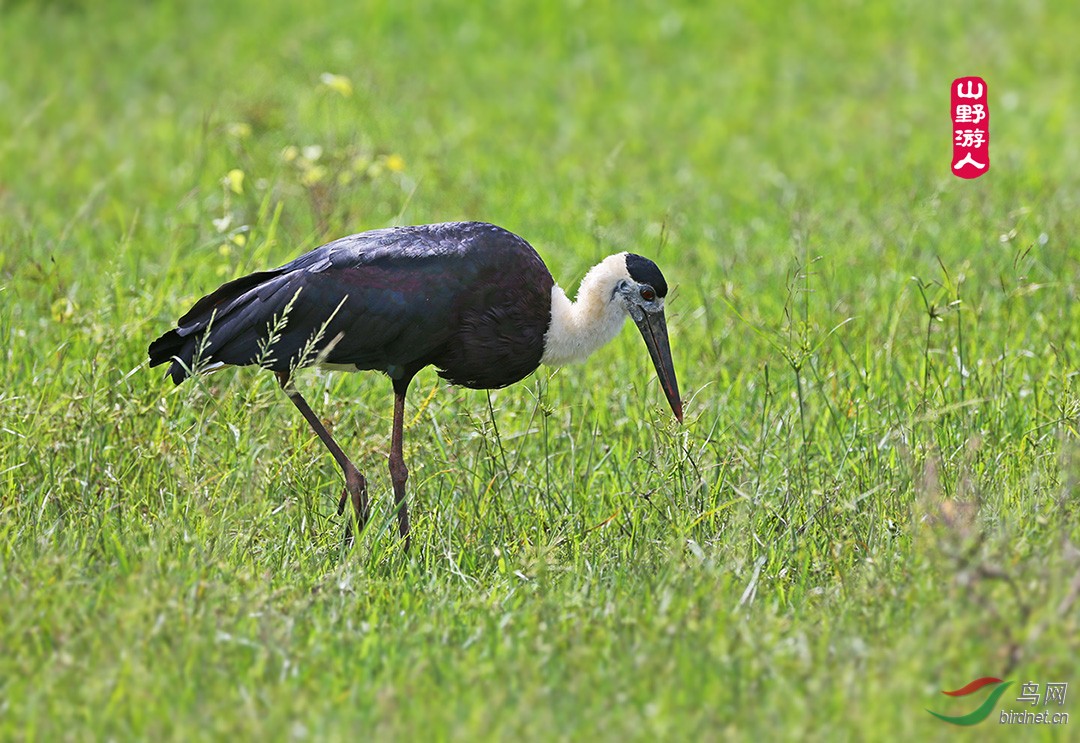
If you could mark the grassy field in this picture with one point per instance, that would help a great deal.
(874, 496)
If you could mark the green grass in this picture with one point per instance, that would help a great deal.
(874, 496)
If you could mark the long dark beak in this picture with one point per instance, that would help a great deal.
(653, 329)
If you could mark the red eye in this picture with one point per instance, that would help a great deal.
(648, 294)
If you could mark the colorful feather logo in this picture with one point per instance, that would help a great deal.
(983, 710)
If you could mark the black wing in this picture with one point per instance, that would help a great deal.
(391, 300)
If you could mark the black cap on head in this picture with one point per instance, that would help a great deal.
(644, 271)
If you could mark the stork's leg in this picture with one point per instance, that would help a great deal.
(399, 473)
(355, 485)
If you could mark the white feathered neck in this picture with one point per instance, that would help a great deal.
(578, 328)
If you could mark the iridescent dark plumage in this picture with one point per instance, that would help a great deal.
(469, 298)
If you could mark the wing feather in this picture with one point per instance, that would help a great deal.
(386, 300)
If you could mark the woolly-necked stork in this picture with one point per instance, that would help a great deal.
(470, 298)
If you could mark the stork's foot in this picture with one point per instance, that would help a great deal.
(355, 490)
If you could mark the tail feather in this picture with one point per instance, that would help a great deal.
(175, 348)
(218, 309)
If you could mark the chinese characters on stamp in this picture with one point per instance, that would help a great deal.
(971, 127)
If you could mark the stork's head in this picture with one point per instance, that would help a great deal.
(620, 285)
(642, 294)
